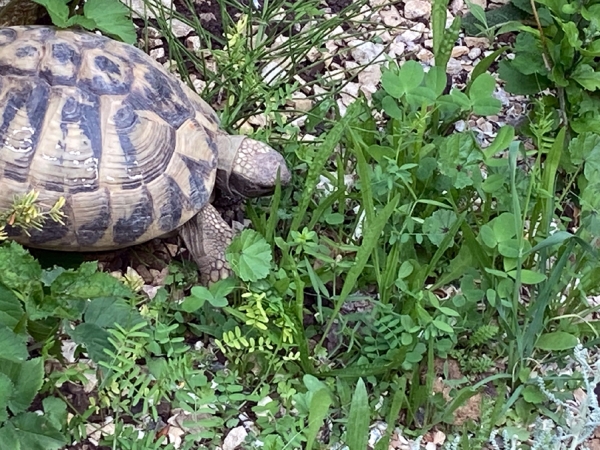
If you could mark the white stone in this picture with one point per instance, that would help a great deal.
(414, 9)
(157, 53)
(301, 103)
(141, 10)
(366, 52)
(482, 3)
(235, 438)
(193, 43)
(454, 66)
(457, 6)
(397, 49)
(412, 34)
(474, 53)
(179, 28)
(369, 79)
(425, 55)
(391, 17)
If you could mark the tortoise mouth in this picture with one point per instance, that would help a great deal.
(247, 187)
(258, 177)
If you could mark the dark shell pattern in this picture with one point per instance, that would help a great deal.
(99, 122)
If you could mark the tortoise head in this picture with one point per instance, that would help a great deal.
(249, 168)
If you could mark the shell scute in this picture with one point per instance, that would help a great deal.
(23, 107)
(152, 90)
(61, 64)
(128, 230)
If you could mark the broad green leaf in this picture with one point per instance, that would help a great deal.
(460, 98)
(379, 153)
(391, 108)
(528, 276)
(443, 326)
(391, 84)
(111, 17)
(14, 347)
(519, 83)
(195, 301)
(94, 339)
(250, 256)
(86, 282)
(27, 378)
(28, 431)
(11, 311)
(6, 391)
(493, 183)
(555, 341)
(486, 233)
(18, 269)
(82, 21)
(436, 80)
(504, 227)
(357, 431)
(420, 96)
(108, 311)
(438, 224)
(55, 410)
(318, 409)
(58, 11)
(408, 78)
(509, 248)
(586, 76)
(480, 93)
(532, 394)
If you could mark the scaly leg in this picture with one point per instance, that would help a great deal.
(207, 236)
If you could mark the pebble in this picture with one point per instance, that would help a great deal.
(479, 42)
(157, 53)
(460, 50)
(366, 52)
(454, 66)
(412, 34)
(474, 53)
(414, 9)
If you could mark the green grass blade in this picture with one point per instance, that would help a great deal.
(273, 216)
(325, 150)
(357, 432)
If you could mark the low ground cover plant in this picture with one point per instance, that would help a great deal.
(444, 258)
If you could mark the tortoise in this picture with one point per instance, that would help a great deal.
(134, 151)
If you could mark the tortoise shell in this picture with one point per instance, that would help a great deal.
(131, 148)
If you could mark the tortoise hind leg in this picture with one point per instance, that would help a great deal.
(206, 237)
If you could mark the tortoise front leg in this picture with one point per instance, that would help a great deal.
(206, 237)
